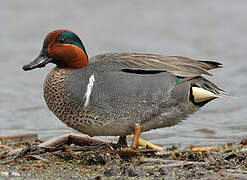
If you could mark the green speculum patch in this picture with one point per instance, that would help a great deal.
(178, 79)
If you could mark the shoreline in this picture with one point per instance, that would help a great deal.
(105, 161)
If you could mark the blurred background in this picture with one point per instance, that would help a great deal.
(207, 30)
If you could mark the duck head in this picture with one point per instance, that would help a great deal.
(63, 48)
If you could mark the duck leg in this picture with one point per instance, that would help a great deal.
(137, 132)
(122, 141)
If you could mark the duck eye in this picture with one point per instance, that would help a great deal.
(61, 40)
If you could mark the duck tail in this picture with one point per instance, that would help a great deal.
(203, 91)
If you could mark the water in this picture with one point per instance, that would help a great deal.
(212, 30)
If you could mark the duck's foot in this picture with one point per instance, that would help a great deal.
(134, 150)
(146, 144)
(136, 140)
(137, 132)
(122, 141)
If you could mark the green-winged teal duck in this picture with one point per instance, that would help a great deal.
(116, 94)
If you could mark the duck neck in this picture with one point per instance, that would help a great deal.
(74, 62)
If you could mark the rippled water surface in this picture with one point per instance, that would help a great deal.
(212, 30)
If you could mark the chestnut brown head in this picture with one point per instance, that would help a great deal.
(63, 48)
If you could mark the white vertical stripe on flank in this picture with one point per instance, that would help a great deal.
(89, 90)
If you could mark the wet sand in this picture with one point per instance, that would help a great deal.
(108, 162)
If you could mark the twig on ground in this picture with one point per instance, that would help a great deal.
(204, 148)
